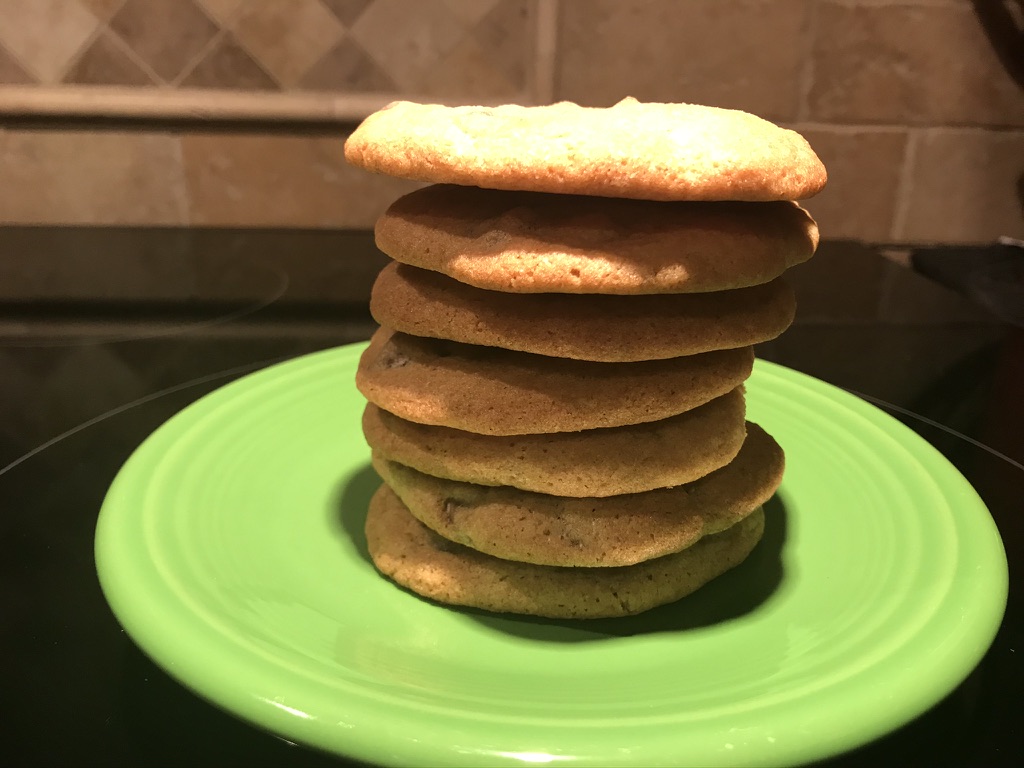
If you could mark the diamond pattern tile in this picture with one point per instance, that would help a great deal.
(44, 35)
(11, 72)
(102, 9)
(504, 33)
(347, 11)
(475, 49)
(287, 36)
(228, 65)
(406, 39)
(471, 11)
(165, 34)
(105, 62)
(221, 11)
(347, 67)
(467, 72)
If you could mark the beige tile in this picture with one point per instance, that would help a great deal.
(104, 62)
(965, 186)
(468, 73)
(102, 9)
(864, 166)
(11, 72)
(221, 11)
(281, 180)
(347, 11)
(408, 39)
(347, 68)
(44, 35)
(471, 11)
(166, 34)
(504, 36)
(922, 63)
(91, 177)
(288, 36)
(228, 65)
(743, 54)
(841, 283)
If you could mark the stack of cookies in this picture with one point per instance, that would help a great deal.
(556, 400)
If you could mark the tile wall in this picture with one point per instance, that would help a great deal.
(909, 102)
(432, 47)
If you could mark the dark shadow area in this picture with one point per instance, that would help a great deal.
(202, 734)
(353, 501)
(1004, 33)
(732, 595)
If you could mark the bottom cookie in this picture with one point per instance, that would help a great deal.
(415, 557)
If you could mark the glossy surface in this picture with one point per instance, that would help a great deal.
(230, 547)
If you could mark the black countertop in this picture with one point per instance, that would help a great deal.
(83, 382)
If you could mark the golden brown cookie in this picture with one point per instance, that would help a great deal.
(616, 530)
(631, 150)
(522, 242)
(602, 328)
(595, 462)
(415, 557)
(492, 391)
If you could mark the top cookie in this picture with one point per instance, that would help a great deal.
(633, 150)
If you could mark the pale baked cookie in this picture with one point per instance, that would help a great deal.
(632, 150)
(524, 242)
(595, 462)
(494, 391)
(602, 328)
(415, 557)
(616, 530)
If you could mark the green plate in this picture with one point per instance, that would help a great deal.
(231, 549)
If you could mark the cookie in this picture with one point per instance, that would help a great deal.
(522, 242)
(601, 328)
(616, 530)
(671, 451)
(492, 391)
(415, 557)
(629, 150)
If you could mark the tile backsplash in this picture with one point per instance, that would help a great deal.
(907, 101)
(428, 47)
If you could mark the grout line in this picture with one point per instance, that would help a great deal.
(25, 66)
(196, 60)
(102, 25)
(223, 30)
(272, 75)
(113, 12)
(905, 190)
(81, 50)
(228, 22)
(128, 51)
(545, 51)
(806, 82)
